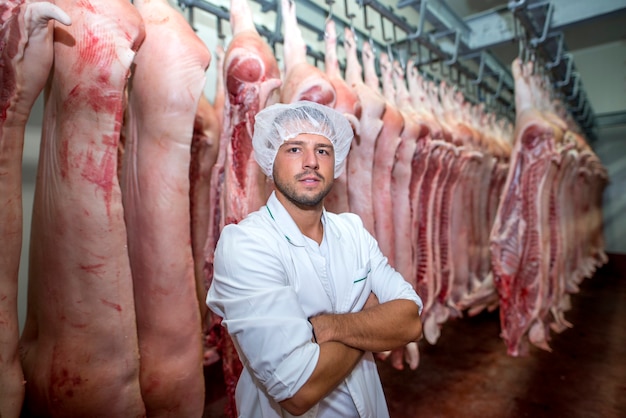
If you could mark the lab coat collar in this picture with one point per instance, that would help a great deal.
(286, 225)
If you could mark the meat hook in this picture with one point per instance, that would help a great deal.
(330, 9)
(351, 17)
(568, 72)
(369, 28)
(420, 26)
(559, 52)
(580, 104)
(499, 88)
(546, 25)
(455, 53)
(184, 5)
(220, 31)
(575, 88)
(481, 70)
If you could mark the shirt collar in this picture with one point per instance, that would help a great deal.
(285, 223)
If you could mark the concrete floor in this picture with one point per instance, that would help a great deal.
(468, 373)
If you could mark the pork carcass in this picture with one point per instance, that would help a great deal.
(302, 80)
(560, 220)
(520, 234)
(79, 346)
(384, 158)
(205, 148)
(347, 102)
(167, 84)
(360, 164)
(413, 130)
(26, 55)
(238, 186)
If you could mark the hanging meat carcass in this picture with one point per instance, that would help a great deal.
(238, 186)
(384, 155)
(360, 164)
(252, 80)
(520, 238)
(429, 169)
(413, 131)
(479, 291)
(302, 81)
(80, 336)
(166, 87)
(347, 102)
(26, 55)
(396, 93)
(449, 208)
(205, 148)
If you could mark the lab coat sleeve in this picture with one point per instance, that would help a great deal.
(261, 311)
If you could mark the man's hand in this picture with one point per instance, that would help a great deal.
(378, 327)
(409, 353)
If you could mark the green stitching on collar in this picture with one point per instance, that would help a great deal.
(272, 216)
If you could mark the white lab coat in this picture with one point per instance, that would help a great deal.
(267, 282)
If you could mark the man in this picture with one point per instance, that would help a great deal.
(292, 281)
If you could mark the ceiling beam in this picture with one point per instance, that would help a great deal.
(495, 27)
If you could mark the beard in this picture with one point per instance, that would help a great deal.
(302, 199)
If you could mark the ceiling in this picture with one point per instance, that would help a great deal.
(584, 25)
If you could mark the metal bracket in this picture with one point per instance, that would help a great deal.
(481, 70)
(455, 54)
(420, 27)
(559, 52)
(546, 25)
(568, 72)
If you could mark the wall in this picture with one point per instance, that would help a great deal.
(611, 148)
(604, 70)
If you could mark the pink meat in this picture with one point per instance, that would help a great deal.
(302, 80)
(156, 189)
(414, 130)
(520, 236)
(460, 222)
(428, 277)
(348, 103)
(560, 220)
(360, 165)
(219, 99)
(238, 186)
(80, 336)
(421, 104)
(384, 158)
(439, 313)
(396, 95)
(204, 149)
(26, 55)
(251, 80)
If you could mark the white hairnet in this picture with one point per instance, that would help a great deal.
(280, 122)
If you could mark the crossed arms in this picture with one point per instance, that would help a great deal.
(343, 338)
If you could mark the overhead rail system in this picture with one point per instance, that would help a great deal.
(444, 46)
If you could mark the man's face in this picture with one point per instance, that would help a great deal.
(304, 169)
